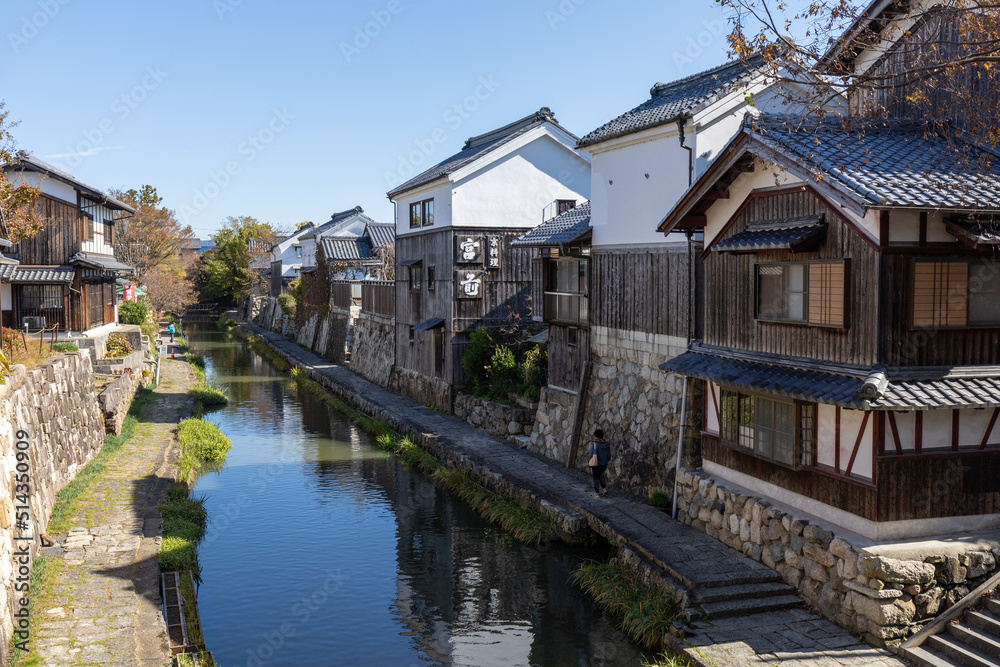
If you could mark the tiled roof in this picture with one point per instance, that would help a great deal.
(106, 262)
(347, 250)
(902, 388)
(381, 234)
(981, 233)
(7, 271)
(29, 162)
(890, 163)
(670, 102)
(43, 274)
(337, 220)
(566, 228)
(476, 147)
(784, 234)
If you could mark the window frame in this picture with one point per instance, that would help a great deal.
(560, 209)
(427, 210)
(581, 295)
(431, 276)
(969, 263)
(415, 271)
(846, 262)
(803, 449)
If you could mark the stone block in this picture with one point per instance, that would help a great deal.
(815, 571)
(950, 571)
(977, 563)
(821, 556)
(896, 571)
(816, 535)
(840, 547)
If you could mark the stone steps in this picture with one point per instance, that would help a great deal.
(973, 642)
(748, 606)
(742, 592)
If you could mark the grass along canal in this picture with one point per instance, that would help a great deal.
(321, 547)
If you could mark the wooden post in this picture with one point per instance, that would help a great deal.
(579, 411)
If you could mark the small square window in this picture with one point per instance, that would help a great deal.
(416, 277)
(564, 205)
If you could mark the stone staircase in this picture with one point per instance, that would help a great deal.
(974, 641)
(755, 593)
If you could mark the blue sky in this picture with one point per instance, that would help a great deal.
(290, 111)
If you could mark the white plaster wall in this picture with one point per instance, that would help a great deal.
(6, 296)
(826, 435)
(626, 207)
(972, 427)
(99, 244)
(441, 194)
(936, 232)
(906, 427)
(49, 186)
(514, 190)
(711, 415)
(850, 425)
(937, 430)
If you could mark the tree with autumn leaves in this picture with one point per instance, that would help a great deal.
(234, 269)
(17, 212)
(934, 61)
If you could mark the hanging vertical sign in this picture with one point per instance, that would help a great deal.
(470, 284)
(470, 250)
(493, 252)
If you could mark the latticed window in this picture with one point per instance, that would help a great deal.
(956, 293)
(779, 431)
(807, 292)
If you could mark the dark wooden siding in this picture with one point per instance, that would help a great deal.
(506, 300)
(928, 486)
(858, 499)
(275, 287)
(905, 345)
(730, 318)
(60, 237)
(644, 291)
(566, 363)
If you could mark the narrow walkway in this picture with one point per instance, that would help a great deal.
(788, 637)
(105, 606)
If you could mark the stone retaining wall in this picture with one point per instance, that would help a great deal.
(427, 390)
(503, 421)
(553, 428)
(880, 597)
(116, 399)
(55, 404)
(374, 351)
(131, 362)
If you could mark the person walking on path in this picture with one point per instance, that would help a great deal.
(171, 330)
(600, 454)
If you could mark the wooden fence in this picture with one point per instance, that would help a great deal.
(342, 292)
(379, 296)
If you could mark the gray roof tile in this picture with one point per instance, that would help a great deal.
(381, 234)
(106, 262)
(476, 147)
(566, 228)
(43, 274)
(935, 388)
(670, 102)
(891, 163)
(784, 234)
(347, 250)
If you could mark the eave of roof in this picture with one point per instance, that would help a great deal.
(862, 23)
(28, 162)
(571, 226)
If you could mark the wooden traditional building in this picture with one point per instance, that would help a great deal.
(851, 350)
(456, 268)
(68, 271)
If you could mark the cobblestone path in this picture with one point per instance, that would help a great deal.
(104, 608)
(794, 637)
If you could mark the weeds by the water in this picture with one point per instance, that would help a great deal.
(263, 349)
(209, 395)
(184, 520)
(203, 446)
(665, 660)
(645, 612)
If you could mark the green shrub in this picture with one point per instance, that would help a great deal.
(504, 373)
(535, 371)
(208, 395)
(118, 346)
(133, 312)
(287, 303)
(203, 446)
(476, 361)
(660, 499)
(65, 347)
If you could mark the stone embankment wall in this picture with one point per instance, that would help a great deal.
(504, 421)
(374, 349)
(116, 399)
(55, 404)
(637, 405)
(876, 596)
(430, 391)
(328, 336)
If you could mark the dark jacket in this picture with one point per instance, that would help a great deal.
(603, 448)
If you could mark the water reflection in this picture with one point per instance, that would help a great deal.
(324, 551)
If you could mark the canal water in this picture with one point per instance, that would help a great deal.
(322, 550)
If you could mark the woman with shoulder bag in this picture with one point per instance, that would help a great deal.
(600, 454)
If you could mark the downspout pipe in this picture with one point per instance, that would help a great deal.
(680, 445)
(681, 122)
